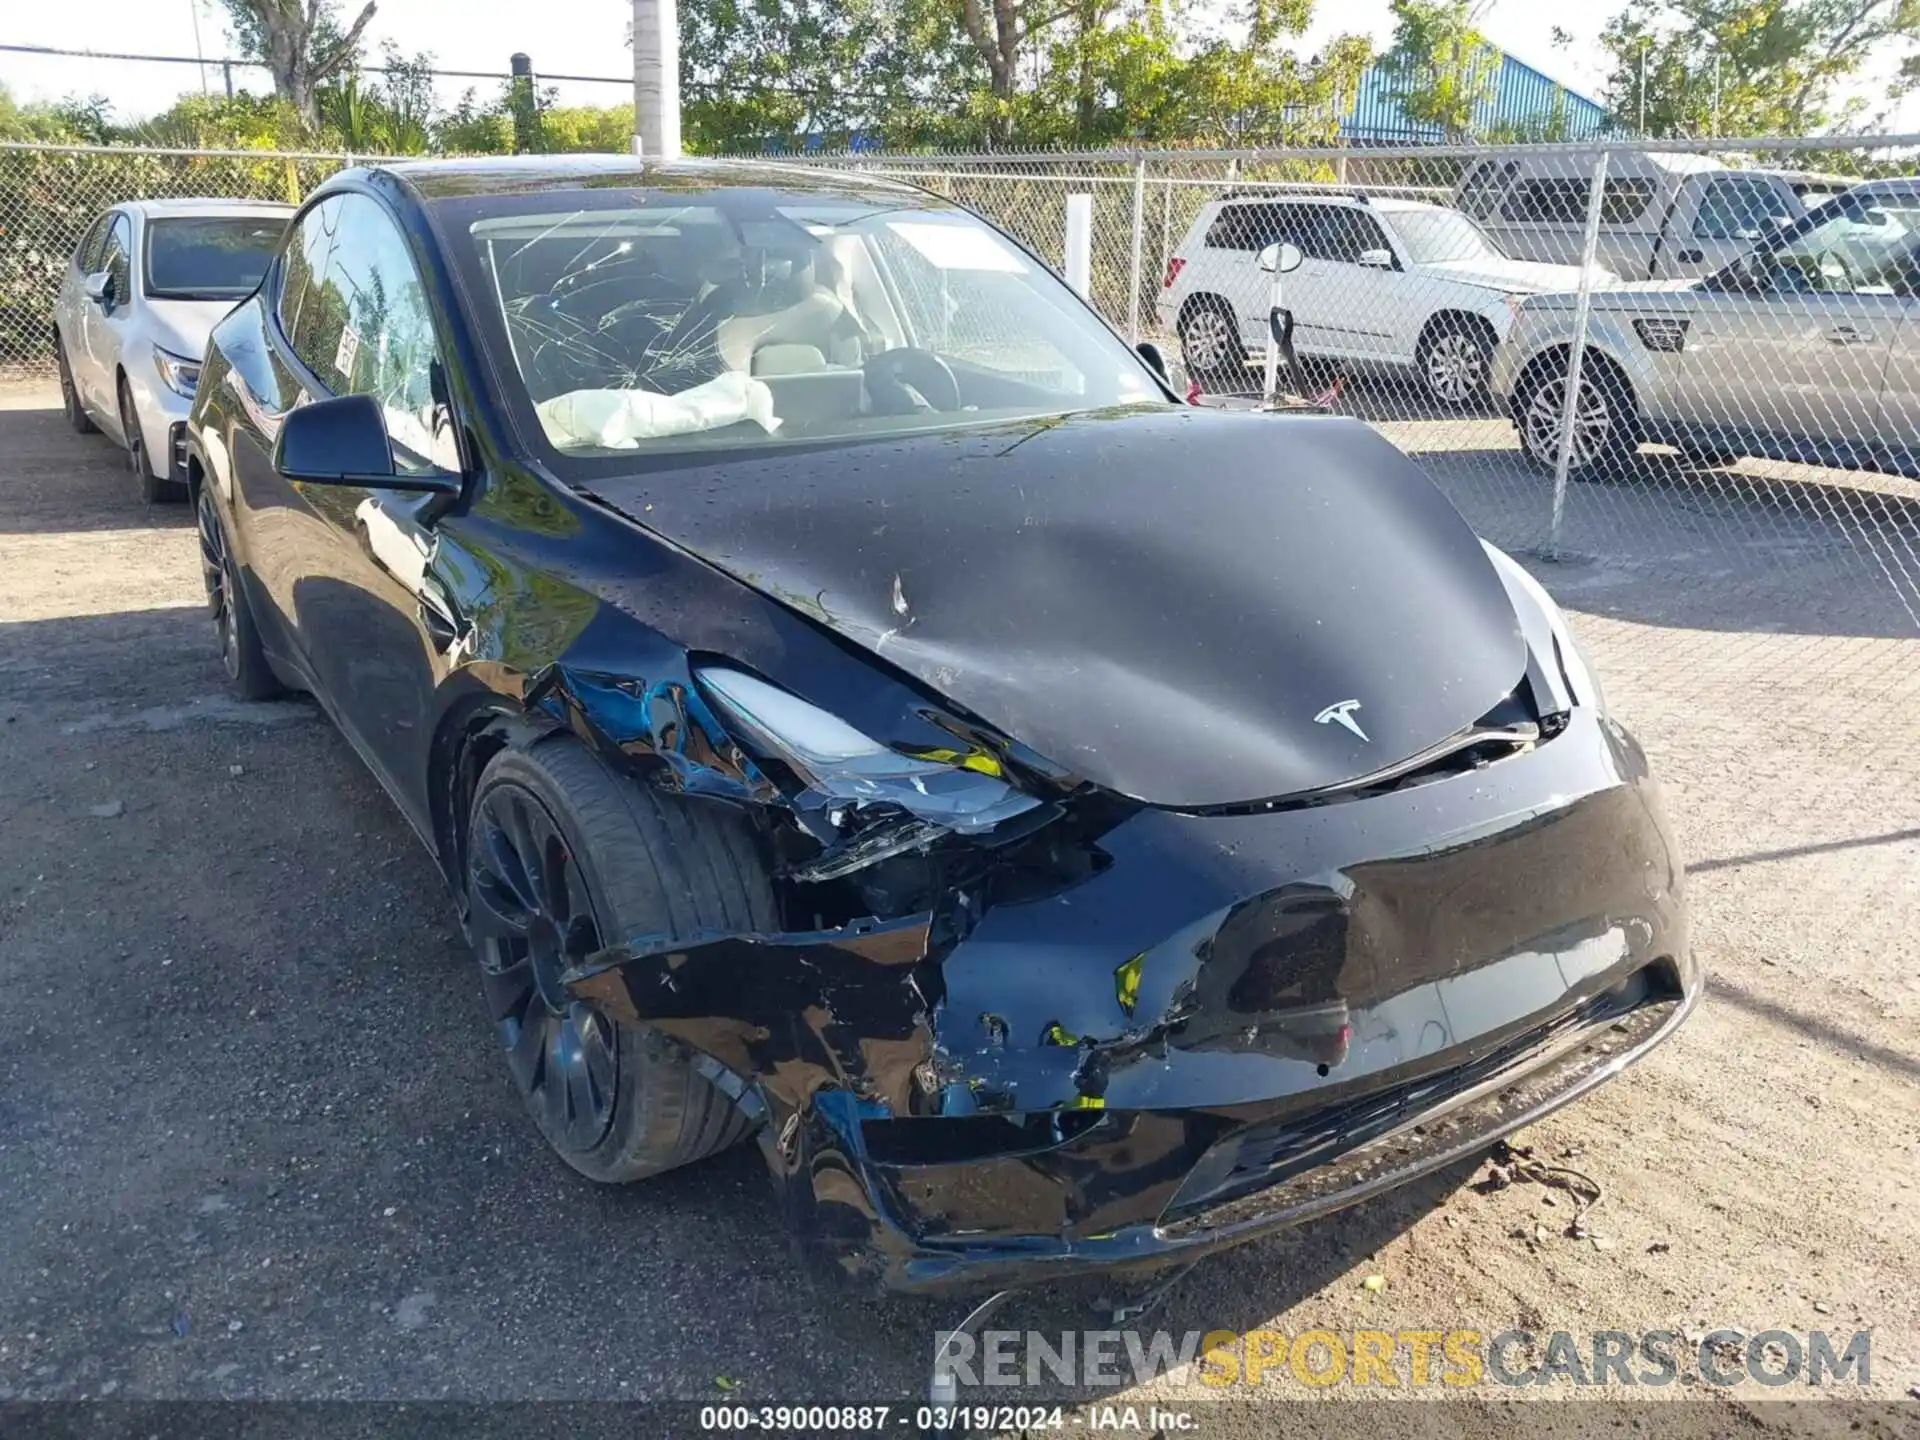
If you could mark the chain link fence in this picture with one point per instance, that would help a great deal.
(1683, 378)
(50, 194)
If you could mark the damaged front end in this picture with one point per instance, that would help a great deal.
(1021, 1027)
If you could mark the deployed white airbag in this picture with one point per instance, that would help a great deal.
(621, 419)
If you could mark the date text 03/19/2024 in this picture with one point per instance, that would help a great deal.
(869, 1419)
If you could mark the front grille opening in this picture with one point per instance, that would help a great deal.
(962, 1139)
(1302, 1160)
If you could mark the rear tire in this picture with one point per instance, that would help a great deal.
(154, 489)
(563, 858)
(1606, 428)
(1210, 343)
(77, 418)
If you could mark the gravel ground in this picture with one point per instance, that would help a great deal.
(255, 1143)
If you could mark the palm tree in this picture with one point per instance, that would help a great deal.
(656, 78)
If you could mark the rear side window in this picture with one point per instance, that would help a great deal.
(1563, 201)
(1342, 235)
(1247, 227)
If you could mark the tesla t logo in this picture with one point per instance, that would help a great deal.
(1342, 714)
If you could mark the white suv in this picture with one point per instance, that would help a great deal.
(1385, 281)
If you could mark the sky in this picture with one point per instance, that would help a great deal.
(586, 37)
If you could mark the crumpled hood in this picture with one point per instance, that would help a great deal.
(1519, 277)
(1161, 599)
(182, 326)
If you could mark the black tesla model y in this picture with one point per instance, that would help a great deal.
(858, 706)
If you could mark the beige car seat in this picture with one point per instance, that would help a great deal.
(819, 318)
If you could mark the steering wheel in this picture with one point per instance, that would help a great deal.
(891, 372)
(1841, 265)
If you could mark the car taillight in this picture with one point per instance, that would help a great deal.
(1174, 267)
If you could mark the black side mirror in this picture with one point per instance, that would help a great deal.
(343, 441)
(1150, 353)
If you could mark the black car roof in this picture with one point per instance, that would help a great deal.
(529, 174)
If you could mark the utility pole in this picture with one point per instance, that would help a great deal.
(656, 79)
(1642, 125)
(193, 9)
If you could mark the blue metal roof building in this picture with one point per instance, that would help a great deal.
(1521, 104)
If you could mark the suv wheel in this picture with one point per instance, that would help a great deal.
(1604, 426)
(1210, 341)
(1453, 361)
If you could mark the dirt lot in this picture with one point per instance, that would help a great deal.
(254, 1141)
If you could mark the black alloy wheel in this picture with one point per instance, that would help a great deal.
(534, 920)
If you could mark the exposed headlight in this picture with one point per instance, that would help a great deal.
(956, 792)
(177, 372)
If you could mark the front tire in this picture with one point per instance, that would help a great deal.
(1605, 430)
(154, 489)
(242, 655)
(1453, 359)
(1210, 343)
(563, 858)
(78, 420)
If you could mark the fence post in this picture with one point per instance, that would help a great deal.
(1577, 354)
(1079, 245)
(1139, 237)
(1166, 224)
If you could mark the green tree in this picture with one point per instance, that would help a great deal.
(472, 127)
(302, 44)
(1441, 69)
(1753, 67)
(756, 69)
(587, 128)
(69, 121)
(221, 122)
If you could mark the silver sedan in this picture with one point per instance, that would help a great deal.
(145, 286)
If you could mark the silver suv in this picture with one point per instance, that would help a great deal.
(1807, 348)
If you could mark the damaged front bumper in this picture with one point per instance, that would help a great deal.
(1233, 1024)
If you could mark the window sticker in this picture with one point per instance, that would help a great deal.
(345, 351)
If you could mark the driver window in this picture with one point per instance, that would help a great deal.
(1738, 208)
(984, 318)
(87, 256)
(114, 258)
(1864, 249)
(363, 326)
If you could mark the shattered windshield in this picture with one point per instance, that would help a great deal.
(667, 322)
